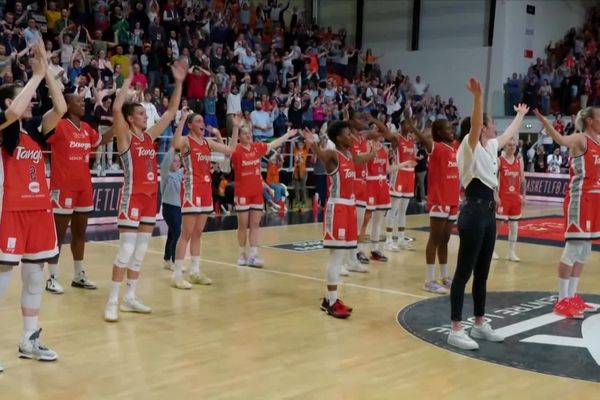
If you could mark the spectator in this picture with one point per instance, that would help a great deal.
(539, 160)
(554, 161)
(262, 125)
(545, 92)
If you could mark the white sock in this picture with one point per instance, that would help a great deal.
(430, 277)
(400, 236)
(511, 247)
(114, 292)
(178, 269)
(389, 236)
(563, 289)
(243, 251)
(131, 285)
(253, 251)
(444, 270)
(573, 281)
(53, 270)
(331, 296)
(30, 325)
(195, 265)
(78, 265)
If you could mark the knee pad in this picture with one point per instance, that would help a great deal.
(334, 267)
(141, 247)
(33, 278)
(126, 249)
(575, 251)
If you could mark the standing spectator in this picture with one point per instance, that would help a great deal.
(170, 189)
(196, 87)
(539, 160)
(300, 175)
(262, 126)
(320, 173)
(545, 92)
(554, 161)
(421, 172)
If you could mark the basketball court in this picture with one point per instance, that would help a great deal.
(259, 334)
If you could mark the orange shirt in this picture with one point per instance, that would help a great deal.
(273, 173)
(300, 156)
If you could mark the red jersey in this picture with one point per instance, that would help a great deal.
(360, 147)
(377, 167)
(23, 184)
(406, 151)
(197, 163)
(509, 180)
(246, 164)
(139, 166)
(442, 180)
(71, 148)
(585, 170)
(341, 181)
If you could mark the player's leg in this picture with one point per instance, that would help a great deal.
(196, 274)
(254, 231)
(79, 224)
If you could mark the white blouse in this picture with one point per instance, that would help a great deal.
(481, 163)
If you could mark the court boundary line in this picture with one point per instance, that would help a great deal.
(283, 273)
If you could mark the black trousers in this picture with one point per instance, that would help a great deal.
(477, 232)
(172, 216)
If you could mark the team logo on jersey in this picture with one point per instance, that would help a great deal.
(25, 154)
(34, 187)
(150, 176)
(146, 152)
(11, 244)
(536, 339)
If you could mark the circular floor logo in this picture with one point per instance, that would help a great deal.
(536, 338)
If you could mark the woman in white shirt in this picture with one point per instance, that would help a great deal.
(478, 165)
(554, 161)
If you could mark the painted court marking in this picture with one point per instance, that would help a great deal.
(271, 271)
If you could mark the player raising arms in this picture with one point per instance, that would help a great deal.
(27, 233)
(249, 200)
(71, 186)
(138, 203)
(196, 192)
(339, 223)
(582, 214)
(511, 194)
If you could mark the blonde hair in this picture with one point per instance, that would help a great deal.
(582, 115)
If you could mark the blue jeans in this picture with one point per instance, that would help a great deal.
(545, 105)
(279, 192)
(172, 215)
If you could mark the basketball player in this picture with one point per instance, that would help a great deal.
(196, 192)
(249, 200)
(27, 233)
(511, 195)
(340, 230)
(443, 185)
(582, 214)
(138, 203)
(402, 189)
(71, 187)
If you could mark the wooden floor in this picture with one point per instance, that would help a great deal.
(259, 334)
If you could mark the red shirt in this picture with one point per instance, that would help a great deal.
(23, 177)
(360, 147)
(341, 181)
(246, 164)
(71, 147)
(141, 79)
(197, 163)
(377, 167)
(196, 85)
(509, 182)
(139, 166)
(406, 151)
(442, 180)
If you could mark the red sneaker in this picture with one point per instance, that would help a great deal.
(337, 310)
(346, 305)
(567, 309)
(325, 305)
(581, 305)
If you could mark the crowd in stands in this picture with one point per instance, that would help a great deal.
(567, 79)
(265, 60)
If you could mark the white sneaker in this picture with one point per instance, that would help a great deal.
(461, 340)
(33, 349)
(1, 367)
(180, 283)
(344, 271)
(486, 332)
(135, 306)
(390, 246)
(53, 286)
(495, 256)
(81, 281)
(355, 267)
(434, 287)
(405, 245)
(168, 265)
(200, 279)
(242, 260)
(111, 312)
(115, 167)
(255, 262)
(513, 257)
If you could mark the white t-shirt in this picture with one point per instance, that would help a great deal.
(481, 163)
(554, 162)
